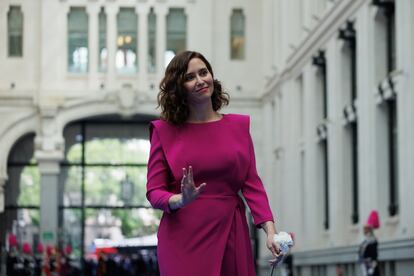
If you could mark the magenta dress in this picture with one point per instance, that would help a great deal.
(208, 237)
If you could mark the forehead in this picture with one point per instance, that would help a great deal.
(195, 64)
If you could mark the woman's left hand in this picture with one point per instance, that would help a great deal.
(273, 246)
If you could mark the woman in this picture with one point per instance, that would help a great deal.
(368, 250)
(199, 161)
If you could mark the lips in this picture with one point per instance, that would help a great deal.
(202, 90)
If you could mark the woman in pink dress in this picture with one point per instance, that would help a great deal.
(200, 164)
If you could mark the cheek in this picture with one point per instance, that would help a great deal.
(188, 86)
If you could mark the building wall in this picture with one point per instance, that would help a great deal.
(292, 108)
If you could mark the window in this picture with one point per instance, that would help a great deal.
(77, 40)
(15, 31)
(103, 51)
(127, 52)
(387, 127)
(237, 36)
(176, 33)
(152, 49)
(103, 190)
(22, 194)
(348, 35)
(321, 81)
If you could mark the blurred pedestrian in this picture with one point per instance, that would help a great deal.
(368, 250)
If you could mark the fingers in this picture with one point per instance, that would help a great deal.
(187, 176)
(187, 182)
(185, 173)
(276, 251)
(201, 188)
(190, 173)
(273, 250)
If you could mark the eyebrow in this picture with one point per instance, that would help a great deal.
(201, 69)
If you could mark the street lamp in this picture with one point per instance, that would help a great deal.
(127, 189)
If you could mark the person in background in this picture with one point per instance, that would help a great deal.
(200, 161)
(368, 250)
(38, 257)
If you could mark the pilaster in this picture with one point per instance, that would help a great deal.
(161, 13)
(111, 38)
(339, 193)
(405, 114)
(368, 188)
(2, 186)
(48, 153)
(142, 12)
(93, 40)
(313, 200)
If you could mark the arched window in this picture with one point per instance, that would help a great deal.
(15, 31)
(176, 33)
(237, 35)
(77, 40)
(103, 51)
(127, 52)
(152, 49)
(22, 195)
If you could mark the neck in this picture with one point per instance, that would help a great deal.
(202, 113)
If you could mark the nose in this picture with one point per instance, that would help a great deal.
(199, 80)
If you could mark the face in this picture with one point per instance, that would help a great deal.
(367, 230)
(198, 82)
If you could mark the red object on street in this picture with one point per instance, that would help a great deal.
(40, 248)
(13, 240)
(68, 249)
(106, 250)
(373, 220)
(27, 249)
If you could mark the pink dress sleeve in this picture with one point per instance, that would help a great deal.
(158, 174)
(254, 192)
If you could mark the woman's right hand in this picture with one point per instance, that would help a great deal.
(189, 191)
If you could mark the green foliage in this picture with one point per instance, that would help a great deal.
(29, 186)
(103, 184)
(35, 217)
(133, 224)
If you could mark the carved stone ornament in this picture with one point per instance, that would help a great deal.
(127, 97)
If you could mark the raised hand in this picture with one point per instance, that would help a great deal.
(189, 191)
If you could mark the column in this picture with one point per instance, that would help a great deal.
(2, 186)
(405, 113)
(111, 13)
(49, 198)
(49, 153)
(192, 30)
(161, 13)
(267, 150)
(93, 30)
(313, 200)
(142, 12)
(367, 114)
(277, 37)
(339, 196)
(267, 30)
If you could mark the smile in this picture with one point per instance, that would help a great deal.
(202, 90)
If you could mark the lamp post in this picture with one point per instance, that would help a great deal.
(127, 190)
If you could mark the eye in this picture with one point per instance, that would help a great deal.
(189, 77)
(203, 72)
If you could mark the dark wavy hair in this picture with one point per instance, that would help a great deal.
(172, 97)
